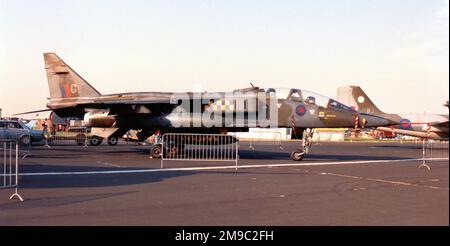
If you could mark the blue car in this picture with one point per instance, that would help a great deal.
(16, 129)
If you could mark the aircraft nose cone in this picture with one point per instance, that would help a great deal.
(375, 121)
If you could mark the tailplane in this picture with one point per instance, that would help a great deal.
(63, 81)
(355, 97)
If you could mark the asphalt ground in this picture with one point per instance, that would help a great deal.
(336, 184)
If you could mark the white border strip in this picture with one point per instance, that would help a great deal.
(225, 167)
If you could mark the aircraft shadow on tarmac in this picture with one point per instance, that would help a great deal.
(40, 161)
(91, 180)
(438, 146)
(77, 152)
(417, 147)
(122, 179)
(263, 155)
(60, 200)
(243, 155)
(112, 180)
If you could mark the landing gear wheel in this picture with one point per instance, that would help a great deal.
(155, 151)
(297, 155)
(95, 141)
(112, 141)
(25, 140)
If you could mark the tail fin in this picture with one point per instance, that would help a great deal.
(63, 81)
(355, 97)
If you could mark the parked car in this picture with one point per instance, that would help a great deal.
(16, 129)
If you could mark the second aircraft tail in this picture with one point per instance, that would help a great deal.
(355, 97)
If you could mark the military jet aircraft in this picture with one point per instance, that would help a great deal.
(427, 126)
(110, 116)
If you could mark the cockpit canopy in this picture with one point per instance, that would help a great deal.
(306, 97)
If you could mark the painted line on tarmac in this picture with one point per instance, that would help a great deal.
(392, 182)
(221, 167)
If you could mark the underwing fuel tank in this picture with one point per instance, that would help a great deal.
(99, 119)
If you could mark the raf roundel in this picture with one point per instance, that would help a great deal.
(300, 110)
(405, 124)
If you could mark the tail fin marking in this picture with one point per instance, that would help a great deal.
(63, 81)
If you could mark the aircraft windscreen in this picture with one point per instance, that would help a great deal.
(315, 99)
(280, 93)
(339, 105)
(306, 97)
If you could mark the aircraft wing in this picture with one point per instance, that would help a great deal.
(111, 103)
(136, 106)
(33, 112)
(135, 102)
(440, 124)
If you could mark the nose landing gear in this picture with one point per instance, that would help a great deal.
(299, 154)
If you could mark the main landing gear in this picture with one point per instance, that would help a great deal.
(299, 154)
(96, 140)
(156, 151)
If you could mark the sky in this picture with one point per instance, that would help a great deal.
(396, 50)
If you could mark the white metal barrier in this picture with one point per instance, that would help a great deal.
(9, 170)
(70, 136)
(25, 148)
(433, 151)
(265, 138)
(24, 145)
(199, 147)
